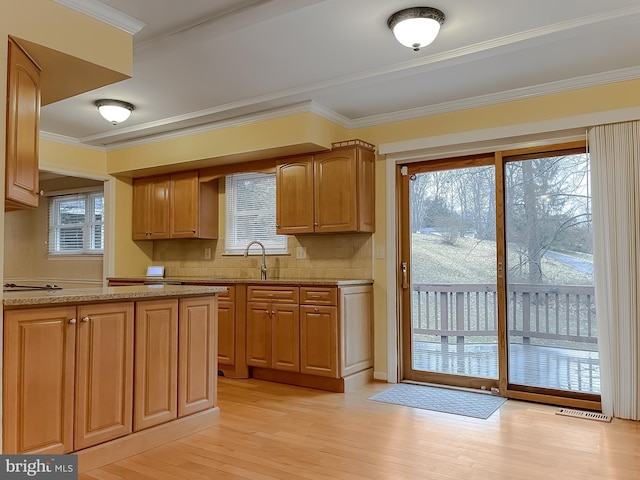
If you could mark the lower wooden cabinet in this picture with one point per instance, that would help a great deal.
(52, 352)
(197, 360)
(39, 371)
(319, 340)
(156, 372)
(307, 332)
(69, 376)
(273, 328)
(104, 373)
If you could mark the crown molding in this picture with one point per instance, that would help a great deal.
(56, 137)
(303, 107)
(560, 86)
(105, 13)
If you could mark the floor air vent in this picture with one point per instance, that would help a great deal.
(569, 412)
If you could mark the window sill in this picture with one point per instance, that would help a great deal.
(75, 256)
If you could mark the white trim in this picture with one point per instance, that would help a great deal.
(549, 88)
(56, 137)
(303, 107)
(183, 125)
(106, 14)
(382, 376)
(71, 191)
(476, 141)
(507, 135)
(392, 259)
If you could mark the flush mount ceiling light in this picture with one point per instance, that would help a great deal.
(114, 111)
(416, 27)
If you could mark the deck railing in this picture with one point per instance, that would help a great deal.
(551, 313)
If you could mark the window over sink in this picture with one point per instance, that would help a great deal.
(251, 213)
(76, 224)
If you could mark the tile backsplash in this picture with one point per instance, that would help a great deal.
(341, 257)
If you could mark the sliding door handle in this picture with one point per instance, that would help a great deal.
(405, 280)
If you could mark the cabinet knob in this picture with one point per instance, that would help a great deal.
(193, 230)
(266, 312)
(72, 320)
(315, 310)
(272, 312)
(86, 319)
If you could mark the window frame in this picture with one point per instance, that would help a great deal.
(88, 225)
(233, 245)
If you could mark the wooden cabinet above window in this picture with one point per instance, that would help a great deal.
(23, 120)
(175, 206)
(330, 192)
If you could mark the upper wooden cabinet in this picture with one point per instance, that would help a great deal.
(175, 206)
(151, 208)
(294, 196)
(23, 130)
(330, 192)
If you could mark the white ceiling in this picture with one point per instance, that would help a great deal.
(199, 62)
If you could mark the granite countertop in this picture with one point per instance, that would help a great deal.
(81, 295)
(252, 281)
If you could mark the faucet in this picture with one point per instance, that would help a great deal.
(263, 267)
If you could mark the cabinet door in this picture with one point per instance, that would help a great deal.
(156, 363)
(23, 120)
(285, 337)
(104, 373)
(184, 205)
(38, 361)
(151, 208)
(226, 333)
(159, 204)
(294, 196)
(198, 358)
(141, 201)
(366, 190)
(319, 340)
(336, 191)
(259, 334)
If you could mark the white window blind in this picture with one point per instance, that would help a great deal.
(251, 213)
(76, 224)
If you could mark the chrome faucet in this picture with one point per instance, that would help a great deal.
(263, 267)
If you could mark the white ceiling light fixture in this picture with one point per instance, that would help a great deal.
(416, 27)
(114, 111)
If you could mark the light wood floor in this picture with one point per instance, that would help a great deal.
(272, 431)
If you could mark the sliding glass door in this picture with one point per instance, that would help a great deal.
(496, 274)
(451, 274)
(552, 334)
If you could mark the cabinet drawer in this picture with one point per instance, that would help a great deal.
(272, 294)
(319, 295)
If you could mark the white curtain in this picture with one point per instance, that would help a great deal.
(615, 164)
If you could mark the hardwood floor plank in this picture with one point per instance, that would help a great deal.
(273, 431)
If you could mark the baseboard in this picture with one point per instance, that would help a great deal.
(138, 442)
(338, 385)
(382, 376)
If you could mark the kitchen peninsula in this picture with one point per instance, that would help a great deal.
(105, 371)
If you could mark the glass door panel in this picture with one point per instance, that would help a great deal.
(451, 294)
(552, 334)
